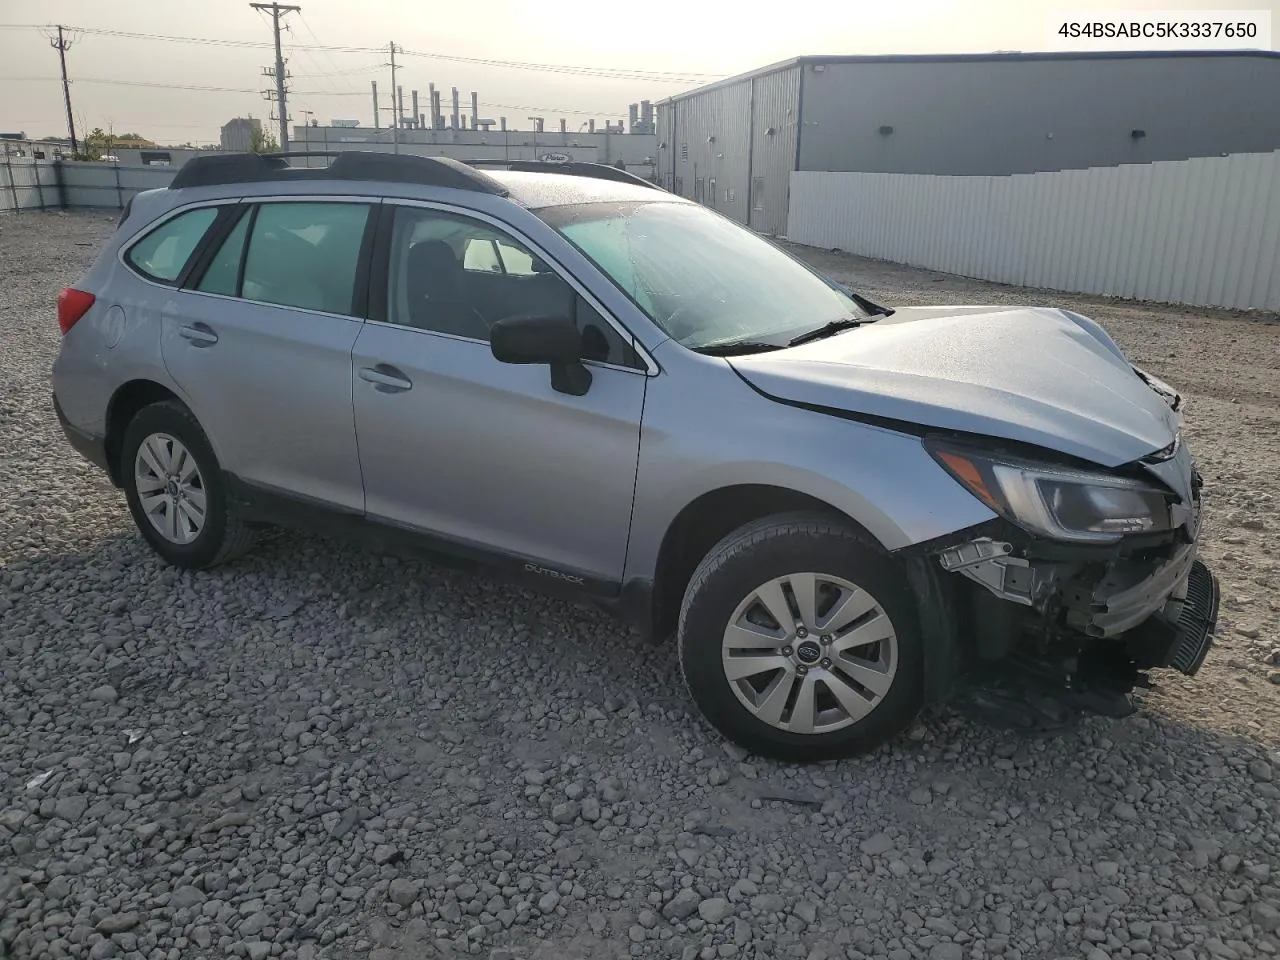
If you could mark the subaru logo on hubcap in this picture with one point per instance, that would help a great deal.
(809, 652)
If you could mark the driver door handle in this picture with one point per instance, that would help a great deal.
(386, 378)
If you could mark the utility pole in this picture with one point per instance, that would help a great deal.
(395, 125)
(62, 45)
(278, 10)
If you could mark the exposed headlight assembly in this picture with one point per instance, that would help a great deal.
(1061, 503)
(1167, 393)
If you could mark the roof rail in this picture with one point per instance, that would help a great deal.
(346, 165)
(576, 168)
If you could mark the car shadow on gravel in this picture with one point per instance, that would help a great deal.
(394, 719)
(327, 599)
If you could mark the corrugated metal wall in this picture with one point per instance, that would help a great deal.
(775, 121)
(74, 183)
(709, 148)
(754, 121)
(1000, 116)
(27, 184)
(109, 184)
(1204, 232)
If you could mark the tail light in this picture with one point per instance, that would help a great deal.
(72, 305)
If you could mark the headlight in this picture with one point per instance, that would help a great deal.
(1167, 393)
(1058, 502)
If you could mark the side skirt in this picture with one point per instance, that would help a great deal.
(256, 503)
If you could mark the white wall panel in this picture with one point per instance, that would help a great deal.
(1204, 232)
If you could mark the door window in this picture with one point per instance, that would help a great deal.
(451, 274)
(162, 254)
(223, 273)
(300, 255)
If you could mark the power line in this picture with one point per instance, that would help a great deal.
(354, 71)
(298, 93)
(655, 76)
(328, 59)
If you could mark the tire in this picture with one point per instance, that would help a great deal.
(193, 542)
(786, 550)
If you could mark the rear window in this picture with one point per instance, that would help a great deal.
(163, 253)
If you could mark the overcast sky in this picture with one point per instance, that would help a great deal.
(697, 39)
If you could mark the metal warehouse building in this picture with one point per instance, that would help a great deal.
(733, 144)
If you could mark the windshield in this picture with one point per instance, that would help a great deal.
(700, 277)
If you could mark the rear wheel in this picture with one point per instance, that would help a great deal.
(175, 489)
(798, 640)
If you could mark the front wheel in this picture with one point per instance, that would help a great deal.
(799, 641)
(175, 489)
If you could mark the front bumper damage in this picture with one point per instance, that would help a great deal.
(1180, 594)
(1085, 624)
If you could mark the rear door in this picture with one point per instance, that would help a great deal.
(260, 342)
(485, 454)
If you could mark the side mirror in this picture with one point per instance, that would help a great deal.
(553, 340)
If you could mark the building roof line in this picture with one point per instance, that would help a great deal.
(1011, 56)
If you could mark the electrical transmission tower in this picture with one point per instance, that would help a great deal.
(277, 11)
(62, 44)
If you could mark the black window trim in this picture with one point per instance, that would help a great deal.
(244, 251)
(380, 276)
(221, 212)
(209, 246)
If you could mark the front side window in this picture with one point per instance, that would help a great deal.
(703, 279)
(163, 253)
(300, 255)
(451, 274)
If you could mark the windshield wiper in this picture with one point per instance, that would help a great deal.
(827, 330)
(733, 348)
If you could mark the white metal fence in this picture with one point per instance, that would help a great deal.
(27, 184)
(1204, 232)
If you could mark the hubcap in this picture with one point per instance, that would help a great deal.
(170, 488)
(810, 653)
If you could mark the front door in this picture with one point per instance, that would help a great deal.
(260, 342)
(485, 454)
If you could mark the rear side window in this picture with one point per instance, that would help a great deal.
(162, 253)
(301, 255)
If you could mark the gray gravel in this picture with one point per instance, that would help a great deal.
(320, 752)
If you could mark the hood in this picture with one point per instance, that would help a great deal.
(1042, 376)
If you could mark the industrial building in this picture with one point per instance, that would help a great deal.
(464, 135)
(734, 144)
(635, 151)
(240, 133)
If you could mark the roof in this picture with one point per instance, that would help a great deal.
(1011, 57)
(535, 190)
(533, 183)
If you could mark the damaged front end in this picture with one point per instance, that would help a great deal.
(1087, 580)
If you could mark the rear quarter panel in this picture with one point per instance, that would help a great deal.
(115, 341)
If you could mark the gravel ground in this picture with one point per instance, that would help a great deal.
(319, 752)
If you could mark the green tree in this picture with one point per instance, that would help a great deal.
(263, 142)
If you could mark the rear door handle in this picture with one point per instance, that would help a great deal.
(386, 378)
(199, 334)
